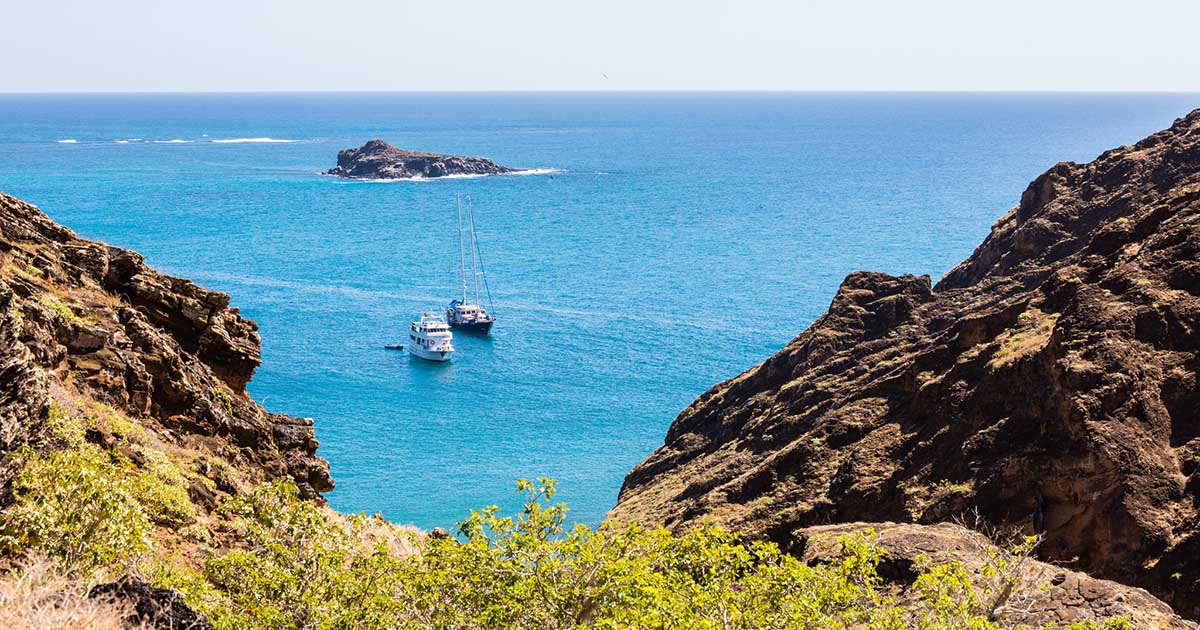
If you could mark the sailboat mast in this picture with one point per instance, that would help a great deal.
(462, 253)
(474, 255)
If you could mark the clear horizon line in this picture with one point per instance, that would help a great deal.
(600, 91)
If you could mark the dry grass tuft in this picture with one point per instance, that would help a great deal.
(36, 595)
(1032, 332)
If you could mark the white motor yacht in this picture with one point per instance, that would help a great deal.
(430, 338)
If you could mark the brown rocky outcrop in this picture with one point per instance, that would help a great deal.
(81, 320)
(1042, 593)
(379, 160)
(1049, 381)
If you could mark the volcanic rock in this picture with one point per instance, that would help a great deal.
(81, 320)
(1049, 381)
(157, 608)
(380, 160)
(1042, 593)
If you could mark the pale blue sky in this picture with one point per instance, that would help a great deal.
(205, 45)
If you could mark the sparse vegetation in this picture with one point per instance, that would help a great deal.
(223, 396)
(1031, 334)
(945, 487)
(59, 312)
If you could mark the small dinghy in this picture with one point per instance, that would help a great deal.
(430, 338)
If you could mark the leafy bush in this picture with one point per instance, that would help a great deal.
(301, 567)
(75, 505)
(64, 428)
(161, 488)
(293, 564)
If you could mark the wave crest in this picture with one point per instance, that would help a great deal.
(246, 140)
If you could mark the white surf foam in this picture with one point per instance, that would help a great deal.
(366, 180)
(401, 180)
(536, 171)
(68, 141)
(245, 140)
(173, 141)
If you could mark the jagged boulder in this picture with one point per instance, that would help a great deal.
(157, 608)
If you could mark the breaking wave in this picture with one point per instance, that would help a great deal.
(245, 140)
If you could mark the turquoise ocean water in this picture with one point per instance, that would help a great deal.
(681, 239)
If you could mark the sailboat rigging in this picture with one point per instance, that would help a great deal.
(468, 312)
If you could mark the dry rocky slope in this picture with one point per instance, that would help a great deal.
(1044, 593)
(83, 323)
(379, 160)
(1049, 381)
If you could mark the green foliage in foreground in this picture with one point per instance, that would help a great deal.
(303, 568)
(89, 507)
(292, 564)
(77, 506)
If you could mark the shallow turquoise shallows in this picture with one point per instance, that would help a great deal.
(682, 239)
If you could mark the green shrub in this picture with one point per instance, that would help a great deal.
(65, 428)
(224, 397)
(75, 505)
(299, 566)
(59, 312)
(109, 420)
(161, 488)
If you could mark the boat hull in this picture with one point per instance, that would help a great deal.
(438, 356)
(482, 328)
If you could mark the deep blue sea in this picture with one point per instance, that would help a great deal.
(681, 239)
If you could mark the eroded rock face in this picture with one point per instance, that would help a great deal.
(1050, 380)
(380, 160)
(1045, 593)
(78, 316)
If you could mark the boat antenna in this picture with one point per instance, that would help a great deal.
(462, 253)
(474, 249)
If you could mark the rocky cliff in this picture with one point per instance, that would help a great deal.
(1049, 382)
(83, 323)
(380, 160)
